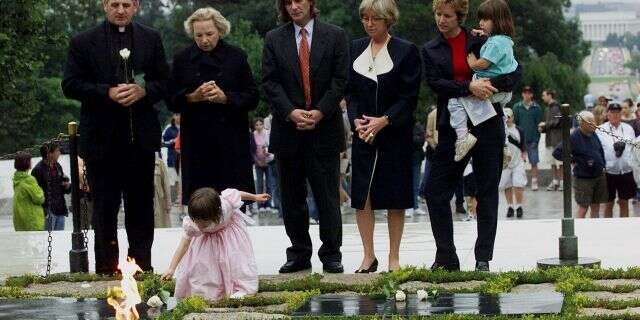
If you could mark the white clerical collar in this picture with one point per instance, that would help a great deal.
(371, 68)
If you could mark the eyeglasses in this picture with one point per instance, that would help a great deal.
(366, 19)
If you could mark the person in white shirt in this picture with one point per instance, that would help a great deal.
(620, 180)
(514, 176)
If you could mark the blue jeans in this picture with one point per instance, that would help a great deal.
(416, 182)
(262, 182)
(532, 153)
(273, 188)
(53, 222)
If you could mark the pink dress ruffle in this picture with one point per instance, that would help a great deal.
(220, 259)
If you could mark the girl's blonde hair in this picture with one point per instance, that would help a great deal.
(460, 7)
(385, 9)
(208, 13)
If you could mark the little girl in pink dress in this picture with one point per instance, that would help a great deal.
(215, 257)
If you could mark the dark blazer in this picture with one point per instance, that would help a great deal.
(282, 86)
(53, 189)
(438, 73)
(214, 137)
(88, 75)
(390, 159)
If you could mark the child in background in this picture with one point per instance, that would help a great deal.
(470, 190)
(215, 257)
(514, 176)
(48, 172)
(28, 197)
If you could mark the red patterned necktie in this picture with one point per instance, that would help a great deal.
(303, 60)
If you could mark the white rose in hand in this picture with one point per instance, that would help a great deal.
(125, 53)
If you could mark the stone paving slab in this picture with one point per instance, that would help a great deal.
(234, 316)
(64, 289)
(533, 288)
(605, 295)
(590, 312)
(617, 282)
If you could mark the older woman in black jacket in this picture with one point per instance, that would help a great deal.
(213, 89)
(382, 95)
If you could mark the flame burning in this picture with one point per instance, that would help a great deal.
(124, 298)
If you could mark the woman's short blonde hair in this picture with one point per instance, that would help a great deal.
(461, 8)
(385, 9)
(208, 13)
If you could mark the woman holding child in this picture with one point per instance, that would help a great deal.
(446, 60)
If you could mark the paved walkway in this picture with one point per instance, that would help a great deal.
(519, 245)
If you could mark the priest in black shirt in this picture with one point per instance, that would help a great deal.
(118, 71)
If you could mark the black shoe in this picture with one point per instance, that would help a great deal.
(460, 209)
(372, 268)
(446, 267)
(510, 212)
(519, 212)
(482, 266)
(333, 267)
(295, 266)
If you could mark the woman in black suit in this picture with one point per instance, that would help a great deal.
(449, 76)
(213, 89)
(382, 96)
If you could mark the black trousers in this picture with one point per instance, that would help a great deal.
(323, 174)
(129, 176)
(444, 177)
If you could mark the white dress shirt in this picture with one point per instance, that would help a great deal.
(616, 165)
(309, 28)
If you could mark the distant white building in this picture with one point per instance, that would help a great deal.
(596, 26)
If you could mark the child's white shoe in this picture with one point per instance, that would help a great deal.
(464, 145)
(238, 295)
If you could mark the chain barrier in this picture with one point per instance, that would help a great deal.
(85, 200)
(35, 149)
(617, 137)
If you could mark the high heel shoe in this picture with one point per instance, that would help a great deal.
(372, 268)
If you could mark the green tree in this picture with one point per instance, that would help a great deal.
(21, 33)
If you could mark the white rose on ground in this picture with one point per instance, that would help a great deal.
(422, 295)
(155, 302)
(400, 295)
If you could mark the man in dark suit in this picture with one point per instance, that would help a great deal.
(119, 128)
(304, 72)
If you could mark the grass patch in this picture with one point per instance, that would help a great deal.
(28, 279)
(294, 300)
(151, 284)
(188, 305)
(312, 282)
(14, 293)
(611, 304)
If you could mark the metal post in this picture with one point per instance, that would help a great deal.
(568, 242)
(78, 256)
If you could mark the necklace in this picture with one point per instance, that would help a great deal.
(372, 63)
